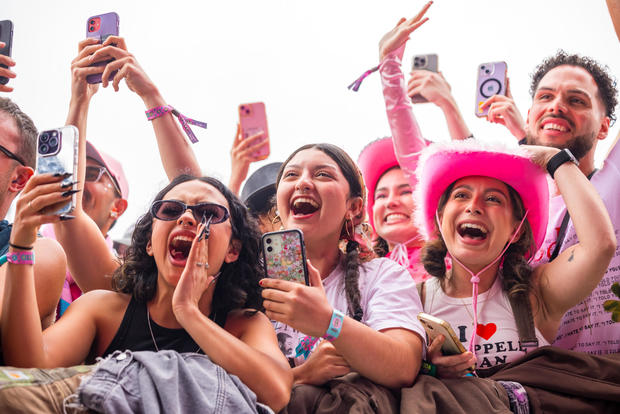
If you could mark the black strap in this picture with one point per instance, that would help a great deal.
(522, 311)
(563, 226)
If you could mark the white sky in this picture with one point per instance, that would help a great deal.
(298, 57)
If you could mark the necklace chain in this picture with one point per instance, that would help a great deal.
(148, 322)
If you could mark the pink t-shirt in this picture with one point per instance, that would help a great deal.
(589, 327)
(497, 339)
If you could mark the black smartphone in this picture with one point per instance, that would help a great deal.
(6, 36)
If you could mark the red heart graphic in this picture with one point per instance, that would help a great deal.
(486, 331)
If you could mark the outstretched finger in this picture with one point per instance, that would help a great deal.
(116, 41)
(422, 12)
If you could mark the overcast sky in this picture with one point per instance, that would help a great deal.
(298, 57)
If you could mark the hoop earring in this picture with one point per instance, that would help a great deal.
(276, 219)
(348, 226)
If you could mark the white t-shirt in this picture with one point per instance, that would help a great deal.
(387, 295)
(588, 327)
(497, 340)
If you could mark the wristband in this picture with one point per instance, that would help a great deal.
(183, 120)
(15, 246)
(428, 368)
(560, 158)
(358, 82)
(26, 258)
(335, 326)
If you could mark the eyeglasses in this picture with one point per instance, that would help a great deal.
(12, 156)
(95, 172)
(168, 210)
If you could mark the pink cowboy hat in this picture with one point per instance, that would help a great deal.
(441, 164)
(374, 160)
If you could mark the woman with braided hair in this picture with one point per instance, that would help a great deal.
(361, 308)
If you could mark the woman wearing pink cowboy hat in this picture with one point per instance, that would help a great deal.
(390, 176)
(486, 205)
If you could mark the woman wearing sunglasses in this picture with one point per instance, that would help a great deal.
(188, 283)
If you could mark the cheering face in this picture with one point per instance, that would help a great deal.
(477, 220)
(313, 196)
(567, 111)
(393, 208)
(171, 240)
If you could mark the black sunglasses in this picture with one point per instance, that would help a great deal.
(12, 156)
(168, 210)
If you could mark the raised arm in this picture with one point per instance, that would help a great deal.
(244, 152)
(573, 275)
(504, 111)
(6, 72)
(175, 151)
(406, 134)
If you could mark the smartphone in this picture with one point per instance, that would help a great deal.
(285, 255)
(101, 26)
(434, 327)
(57, 153)
(6, 36)
(253, 119)
(491, 81)
(424, 62)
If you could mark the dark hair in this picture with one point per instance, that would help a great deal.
(237, 286)
(356, 189)
(27, 146)
(605, 83)
(516, 271)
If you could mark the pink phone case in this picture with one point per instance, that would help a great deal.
(253, 119)
(100, 27)
(491, 81)
(285, 255)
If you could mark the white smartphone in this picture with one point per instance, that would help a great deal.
(57, 153)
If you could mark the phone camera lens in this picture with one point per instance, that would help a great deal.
(487, 71)
(268, 241)
(44, 148)
(247, 111)
(53, 142)
(483, 67)
(269, 249)
(45, 137)
(422, 61)
(92, 21)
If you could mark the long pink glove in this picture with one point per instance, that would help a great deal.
(406, 134)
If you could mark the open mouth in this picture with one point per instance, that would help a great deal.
(304, 206)
(556, 124)
(179, 247)
(472, 231)
(395, 218)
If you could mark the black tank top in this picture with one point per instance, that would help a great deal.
(134, 334)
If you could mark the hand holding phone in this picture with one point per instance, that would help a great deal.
(253, 121)
(423, 62)
(285, 255)
(57, 153)
(6, 37)
(491, 81)
(101, 27)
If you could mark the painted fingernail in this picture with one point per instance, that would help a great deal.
(68, 193)
(69, 184)
(260, 282)
(66, 218)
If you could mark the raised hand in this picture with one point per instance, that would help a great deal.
(7, 73)
(396, 38)
(432, 86)
(244, 152)
(504, 111)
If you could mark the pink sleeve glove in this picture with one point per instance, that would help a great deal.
(406, 135)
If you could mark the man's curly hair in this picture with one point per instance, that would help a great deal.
(605, 82)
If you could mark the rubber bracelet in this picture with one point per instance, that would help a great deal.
(335, 326)
(26, 258)
(15, 246)
(428, 368)
(183, 120)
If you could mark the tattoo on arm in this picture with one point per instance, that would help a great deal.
(572, 256)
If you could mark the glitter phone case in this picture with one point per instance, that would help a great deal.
(285, 255)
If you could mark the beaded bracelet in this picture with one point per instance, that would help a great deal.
(26, 258)
(183, 120)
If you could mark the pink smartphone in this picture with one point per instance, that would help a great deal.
(100, 27)
(285, 255)
(253, 119)
(491, 81)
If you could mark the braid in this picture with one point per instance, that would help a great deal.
(351, 280)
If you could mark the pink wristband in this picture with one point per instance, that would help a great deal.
(26, 258)
(183, 120)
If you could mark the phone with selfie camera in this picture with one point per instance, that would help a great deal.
(285, 255)
(491, 81)
(6, 36)
(434, 327)
(424, 62)
(57, 153)
(253, 119)
(101, 27)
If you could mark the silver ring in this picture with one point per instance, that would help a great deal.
(199, 264)
(206, 265)
(30, 204)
